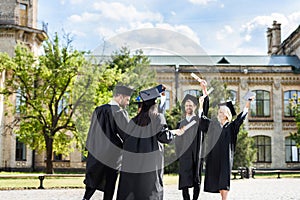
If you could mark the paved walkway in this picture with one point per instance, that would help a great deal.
(246, 189)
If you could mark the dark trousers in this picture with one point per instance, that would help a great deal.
(186, 195)
(108, 191)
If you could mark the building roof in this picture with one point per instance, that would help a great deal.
(231, 60)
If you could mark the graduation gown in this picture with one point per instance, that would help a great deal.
(189, 150)
(141, 176)
(104, 146)
(220, 152)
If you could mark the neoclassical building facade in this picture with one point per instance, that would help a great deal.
(274, 78)
(18, 25)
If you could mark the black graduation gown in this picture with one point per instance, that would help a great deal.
(141, 176)
(189, 150)
(104, 145)
(220, 148)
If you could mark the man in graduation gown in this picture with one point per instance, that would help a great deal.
(141, 176)
(222, 137)
(104, 144)
(189, 145)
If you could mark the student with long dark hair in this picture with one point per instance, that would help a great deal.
(141, 175)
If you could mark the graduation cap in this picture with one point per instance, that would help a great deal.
(230, 106)
(161, 88)
(190, 97)
(150, 94)
(248, 95)
(121, 89)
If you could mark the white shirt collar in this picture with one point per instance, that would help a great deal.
(113, 102)
(188, 118)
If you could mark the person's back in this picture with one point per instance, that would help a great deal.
(142, 164)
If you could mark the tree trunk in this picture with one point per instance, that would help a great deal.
(49, 152)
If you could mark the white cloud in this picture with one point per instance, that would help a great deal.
(264, 21)
(288, 24)
(201, 2)
(228, 29)
(85, 17)
(223, 33)
(76, 1)
(160, 39)
(247, 37)
(119, 12)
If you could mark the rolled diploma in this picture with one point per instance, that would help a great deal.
(196, 77)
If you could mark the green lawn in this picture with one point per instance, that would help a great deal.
(77, 182)
(60, 182)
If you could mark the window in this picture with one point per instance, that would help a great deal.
(288, 95)
(20, 151)
(263, 146)
(57, 157)
(63, 103)
(167, 93)
(23, 14)
(232, 96)
(195, 93)
(261, 105)
(20, 100)
(292, 153)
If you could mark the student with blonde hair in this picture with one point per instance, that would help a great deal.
(222, 136)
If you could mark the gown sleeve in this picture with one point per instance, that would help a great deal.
(164, 134)
(236, 128)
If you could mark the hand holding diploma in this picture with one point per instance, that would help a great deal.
(183, 129)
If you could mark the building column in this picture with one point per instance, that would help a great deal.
(278, 140)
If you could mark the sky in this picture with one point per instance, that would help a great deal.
(213, 27)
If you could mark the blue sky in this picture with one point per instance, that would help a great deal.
(218, 27)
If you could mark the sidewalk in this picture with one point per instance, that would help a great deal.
(246, 189)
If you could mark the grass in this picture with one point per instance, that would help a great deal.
(77, 182)
(58, 182)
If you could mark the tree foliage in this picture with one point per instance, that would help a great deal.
(245, 152)
(48, 96)
(295, 106)
(135, 70)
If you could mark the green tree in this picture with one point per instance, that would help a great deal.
(245, 153)
(50, 90)
(135, 69)
(295, 106)
(173, 116)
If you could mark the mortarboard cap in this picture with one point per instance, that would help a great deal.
(248, 95)
(190, 97)
(161, 88)
(230, 106)
(149, 94)
(121, 89)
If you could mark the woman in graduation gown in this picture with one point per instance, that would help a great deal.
(141, 175)
(222, 136)
(189, 145)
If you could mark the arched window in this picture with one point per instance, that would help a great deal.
(288, 95)
(261, 105)
(263, 146)
(292, 152)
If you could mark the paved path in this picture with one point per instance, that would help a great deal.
(246, 189)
